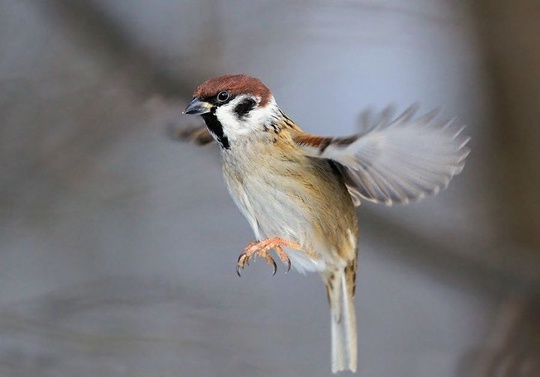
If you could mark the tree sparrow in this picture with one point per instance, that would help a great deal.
(299, 191)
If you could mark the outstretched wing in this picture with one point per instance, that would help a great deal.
(394, 161)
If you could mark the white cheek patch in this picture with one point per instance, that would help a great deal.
(262, 115)
(228, 119)
(235, 126)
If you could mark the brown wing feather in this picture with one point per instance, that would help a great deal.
(319, 145)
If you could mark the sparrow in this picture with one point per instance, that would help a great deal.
(299, 191)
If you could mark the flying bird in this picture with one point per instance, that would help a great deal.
(299, 191)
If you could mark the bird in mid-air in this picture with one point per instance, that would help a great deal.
(298, 191)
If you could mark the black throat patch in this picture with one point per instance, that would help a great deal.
(216, 129)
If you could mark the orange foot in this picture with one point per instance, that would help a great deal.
(262, 247)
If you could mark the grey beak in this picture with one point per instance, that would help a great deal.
(198, 107)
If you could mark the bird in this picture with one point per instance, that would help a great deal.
(299, 191)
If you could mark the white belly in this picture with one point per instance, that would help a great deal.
(275, 209)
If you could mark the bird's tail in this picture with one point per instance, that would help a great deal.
(340, 287)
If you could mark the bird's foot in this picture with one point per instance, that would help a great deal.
(262, 247)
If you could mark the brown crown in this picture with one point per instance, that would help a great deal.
(236, 84)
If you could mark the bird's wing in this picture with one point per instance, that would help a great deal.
(394, 160)
(197, 134)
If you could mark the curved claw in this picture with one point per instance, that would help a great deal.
(244, 258)
(238, 271)
(240, 264)
(284, 257)
(270, 261)
(274, 266)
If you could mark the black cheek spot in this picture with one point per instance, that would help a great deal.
(243, 108)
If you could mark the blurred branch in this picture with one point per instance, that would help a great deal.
(460, 260)
(96, 30)
(81, 126)
(512, 347)
(510, 38)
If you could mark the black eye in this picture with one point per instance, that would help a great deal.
(223, 96)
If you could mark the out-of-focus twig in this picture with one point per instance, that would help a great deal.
(510, 36)
(96, 31)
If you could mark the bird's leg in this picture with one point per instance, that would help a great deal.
(262, 247)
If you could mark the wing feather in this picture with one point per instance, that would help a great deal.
(394, 161)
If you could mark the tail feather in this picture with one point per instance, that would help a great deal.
(340, 288)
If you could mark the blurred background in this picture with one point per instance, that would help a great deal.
(118, 243)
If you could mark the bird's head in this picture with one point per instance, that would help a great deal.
(233, 107)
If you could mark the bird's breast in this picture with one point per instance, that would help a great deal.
(294, 197)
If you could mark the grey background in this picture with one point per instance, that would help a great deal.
(118, 243)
